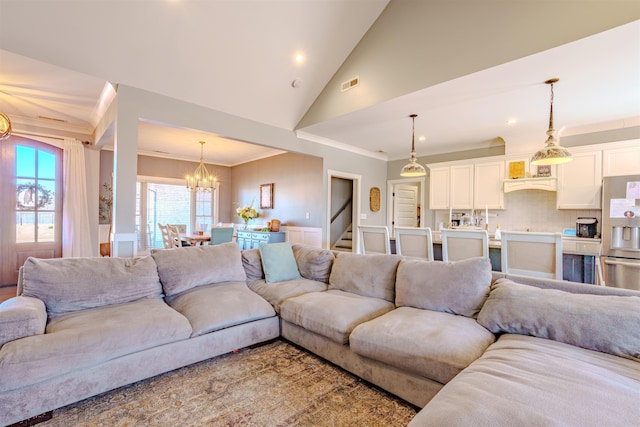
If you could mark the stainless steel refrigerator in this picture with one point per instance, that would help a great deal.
(621, 231)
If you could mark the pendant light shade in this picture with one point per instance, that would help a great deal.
(552, 154)
(413, 168)
(201, 180)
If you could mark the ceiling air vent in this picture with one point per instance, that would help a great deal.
(350, 84)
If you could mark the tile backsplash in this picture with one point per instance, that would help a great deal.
(530, 210)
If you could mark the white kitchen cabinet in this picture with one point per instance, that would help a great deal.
(488, 178)
(622, 161)
(466, 186)
(461, 188)
(580, 181)
(439, 182)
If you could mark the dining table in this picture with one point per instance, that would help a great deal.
(195, 238)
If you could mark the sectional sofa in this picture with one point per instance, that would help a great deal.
(469, 346)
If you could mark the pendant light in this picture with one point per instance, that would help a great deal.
(552, 154)
(201, 180)
(413, 168)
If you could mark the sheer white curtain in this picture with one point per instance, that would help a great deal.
(76, 234)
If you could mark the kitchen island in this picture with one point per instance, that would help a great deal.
(579, 257)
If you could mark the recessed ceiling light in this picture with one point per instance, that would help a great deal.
(299, 58)
(422, 138)
(511, 121)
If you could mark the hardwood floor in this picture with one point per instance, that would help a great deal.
(7, 292)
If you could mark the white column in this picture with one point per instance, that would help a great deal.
(125, 169)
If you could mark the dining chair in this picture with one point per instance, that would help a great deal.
(182, 228)
(173, 237)
(221, 235)
(462, 244)
(414, 242)
(166, 237)
(532, 254)
(374, 239)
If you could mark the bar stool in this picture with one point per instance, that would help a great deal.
(374, 239)
(414, 242)
(462, 244)
(532, 254)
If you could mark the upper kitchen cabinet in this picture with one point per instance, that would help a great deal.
(624, 159)
(460, 185)
(439, 182)
(461, 189)
(580, 181)
(488, 185)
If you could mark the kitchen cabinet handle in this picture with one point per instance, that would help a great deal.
(625, 264)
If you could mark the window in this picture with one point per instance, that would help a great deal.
(204, 208)
(170, 202)
(35, 195)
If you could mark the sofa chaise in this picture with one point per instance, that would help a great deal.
(469, 346)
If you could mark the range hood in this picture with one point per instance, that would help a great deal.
(546, 183)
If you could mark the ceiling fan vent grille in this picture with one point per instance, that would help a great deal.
(351, 83)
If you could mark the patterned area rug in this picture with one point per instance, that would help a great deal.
(277, 384)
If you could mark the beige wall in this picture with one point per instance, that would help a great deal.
(297, 179)
(298, 189)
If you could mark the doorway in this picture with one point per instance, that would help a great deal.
(405, 203)
(30, 204)
(343, 211)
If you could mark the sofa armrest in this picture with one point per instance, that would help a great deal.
(21, 317)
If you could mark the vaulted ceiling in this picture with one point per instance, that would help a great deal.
(460, 72)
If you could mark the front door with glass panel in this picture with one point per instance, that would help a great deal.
(30, 204)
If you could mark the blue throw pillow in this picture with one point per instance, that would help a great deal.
(278, 262)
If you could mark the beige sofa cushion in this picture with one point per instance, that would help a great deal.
(88, 337)
(72, 284)
(185, 268)
(277, 293)
(213, 307)
(607, 323)
(313, 263)
(21, 317)
(432, 344)
(371, 275)
(332, 314)
(252, 264)
(533, 382)
(452, 287)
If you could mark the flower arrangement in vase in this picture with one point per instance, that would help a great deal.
(247, 213)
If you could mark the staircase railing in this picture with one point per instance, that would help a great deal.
(342, 208)
(340, 222)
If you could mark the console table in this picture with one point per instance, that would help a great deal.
(249, 239)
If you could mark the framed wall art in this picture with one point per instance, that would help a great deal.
(544, 170)
(516, 170)
(266, 196)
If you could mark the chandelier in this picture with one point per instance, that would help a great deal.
(201, 180)
(552, 154)
(413, 168)
(5, 126)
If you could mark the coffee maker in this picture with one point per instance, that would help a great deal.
(586, 227)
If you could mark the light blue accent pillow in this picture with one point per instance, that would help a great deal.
(278, 262)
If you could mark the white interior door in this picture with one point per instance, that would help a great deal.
(405, 205)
